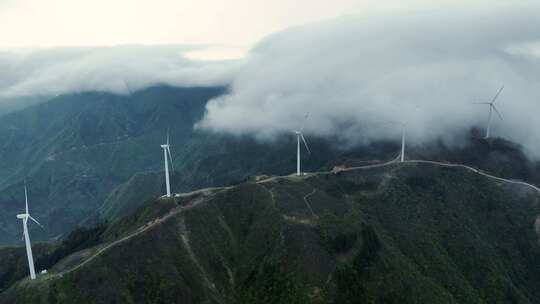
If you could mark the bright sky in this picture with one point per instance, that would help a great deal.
(232, 26)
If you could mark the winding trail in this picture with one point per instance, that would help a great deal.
(393, 161)
(396, 161)
(158, 221)
(205, 191)
(450, 165)
(308, 204)
(187, 244)
(477, 171)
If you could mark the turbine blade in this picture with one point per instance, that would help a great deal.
(487, 103)
(305, 143)
(33, 219)
(25, 197)
(170, 157)
(497, 111)
(497, 95)
(304, 122)
(167, 136)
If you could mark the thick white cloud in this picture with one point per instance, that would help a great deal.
(29, 72)
(355, 74)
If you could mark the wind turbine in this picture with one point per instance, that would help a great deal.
(404, 135)
(167, 150)
(127, 87)
(300, 135)
(491, 109)
(24, 217)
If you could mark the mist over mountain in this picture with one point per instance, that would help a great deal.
(119, 69)
(360, 77)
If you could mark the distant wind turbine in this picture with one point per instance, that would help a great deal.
(491, 109)
(128, 90)
(300, 135)
(167, 156)
(24, 217)
(404, 136)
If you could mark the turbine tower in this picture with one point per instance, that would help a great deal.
(491, 109)
(300, 135)
(402, 155)
(24, 217)
(167, 156)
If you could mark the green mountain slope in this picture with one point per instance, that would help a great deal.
(77, 151)
(406, 233)
(87, 156)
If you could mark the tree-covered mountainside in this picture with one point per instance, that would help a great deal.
(404, 233)
(94, 156)
(75, 149)
(79, 153)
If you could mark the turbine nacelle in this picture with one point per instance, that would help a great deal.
(25, 217)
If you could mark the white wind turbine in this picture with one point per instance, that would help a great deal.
(402, 155)
(300, 135)
(167, 156)
(24, 217)
(491, 109)
(404, 136)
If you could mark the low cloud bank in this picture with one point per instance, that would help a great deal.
(120, 69)
(360, 77)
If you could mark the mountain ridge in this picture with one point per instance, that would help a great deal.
(311, 216)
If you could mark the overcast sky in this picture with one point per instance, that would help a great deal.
(232, 26)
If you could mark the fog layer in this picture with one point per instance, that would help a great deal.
(361, 77)
(120, 69)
